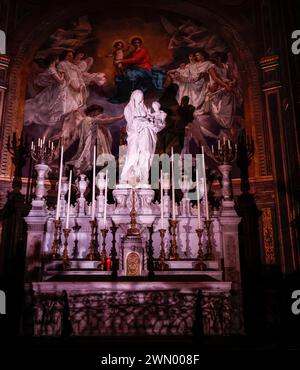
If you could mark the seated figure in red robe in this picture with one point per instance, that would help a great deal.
(139, 57)
(139, 74)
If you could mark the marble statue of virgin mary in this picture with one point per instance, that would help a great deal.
(142, 128)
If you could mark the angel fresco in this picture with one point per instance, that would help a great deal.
(177, 62)
(80, 131)
(48, 106)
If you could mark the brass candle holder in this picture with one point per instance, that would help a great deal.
(133, 229)
(209, 254)
(57, 240)
(173, 250)
(161, 264)
(200, 265)
(93, 252)
(103, 255)
(66, 263)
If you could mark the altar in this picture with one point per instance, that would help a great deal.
(141, 289)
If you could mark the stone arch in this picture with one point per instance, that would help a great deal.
(222, 25)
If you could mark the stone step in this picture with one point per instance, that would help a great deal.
(211, 275)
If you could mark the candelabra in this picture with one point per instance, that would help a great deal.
(66, 263)
(57, 239)
(173, 250)
(93, 252)
(161, 264)
(42, 153)
(103, 255)
(209, 254)
(200, 265)
(225, 156)
(226, 152)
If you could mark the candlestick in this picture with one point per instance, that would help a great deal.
(59, 183)
(66, 263)
(105, 199)
(103, 255)
(113, 252)
(133, 230)
(161, 264)
(199, 264)
(161, 201)
(93, 184)
(57, 239)
(208, 255)
(69, 201)
(173, 185)
(93, 252)
(198, 199)
(173, 250)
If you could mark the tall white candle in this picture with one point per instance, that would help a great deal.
(173, 185)
(93, 184)
(59, 183)
(69, 201)
(205, 192)
(105, 199)
(198, 199)
(161, 201)
(206, 200)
